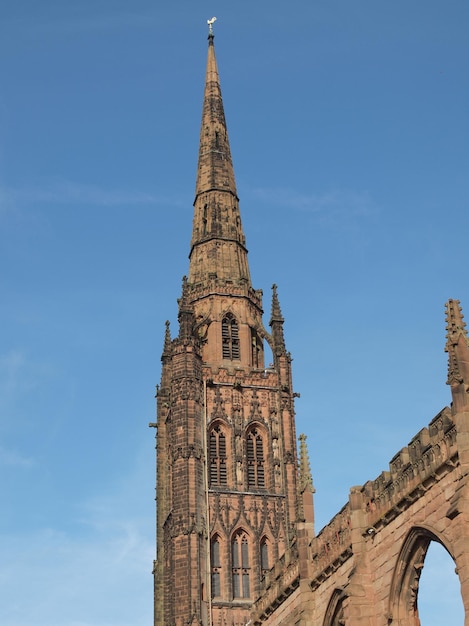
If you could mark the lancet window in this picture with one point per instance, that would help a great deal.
(215, 561)
(264, 556)
(240, 566)
(230, 337)
(255, 459)
(217, 457)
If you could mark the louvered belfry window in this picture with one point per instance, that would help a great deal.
(217, 454)
(230, 337)
(255, 459)
(240, 568)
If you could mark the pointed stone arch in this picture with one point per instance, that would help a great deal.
(335, 609)
(403, 608)
(241, 564)
(217, 558)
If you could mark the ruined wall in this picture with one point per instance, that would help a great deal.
(363, 568)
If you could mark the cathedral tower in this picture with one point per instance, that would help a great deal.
(230, 493)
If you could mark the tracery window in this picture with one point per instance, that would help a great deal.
(240, 569)
(255, 459)
(230, 337)
(217, 457)
(215, 561)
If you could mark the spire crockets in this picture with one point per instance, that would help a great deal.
(218, 244)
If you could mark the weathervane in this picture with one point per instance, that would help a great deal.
(210, 25)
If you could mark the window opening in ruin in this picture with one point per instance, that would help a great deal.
(255, 459)
(439, 594)
(230, 337)
(240, 566)
(217, 457)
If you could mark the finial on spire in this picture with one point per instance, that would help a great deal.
(210, 26)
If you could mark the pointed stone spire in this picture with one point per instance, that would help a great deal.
(215, 167)
(218, 246)
(457, 347)
(276, 323)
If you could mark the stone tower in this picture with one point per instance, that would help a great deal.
(231, 494)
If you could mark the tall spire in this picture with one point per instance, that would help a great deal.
(218, 244)
(215, 168)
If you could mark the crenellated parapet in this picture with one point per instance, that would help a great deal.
(428, 457)
(332, 547)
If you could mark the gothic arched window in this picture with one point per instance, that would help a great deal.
(240, 568)
(215, 561)
(264, 555)
(230, 337)
(217, 457)
(255, 459)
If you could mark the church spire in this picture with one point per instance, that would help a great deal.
(215, 167)
(218, 244)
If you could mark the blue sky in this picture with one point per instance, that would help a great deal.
(349, 131)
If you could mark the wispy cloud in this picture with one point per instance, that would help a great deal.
(70, 192)
(92, 569)
(66, 21)
(335, 202)
(13, 458)
(71, 581)
(11, 364)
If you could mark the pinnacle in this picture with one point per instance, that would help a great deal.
(276, 315)
(455, 324)
(167, 339)
(457, 345)
(306, 479)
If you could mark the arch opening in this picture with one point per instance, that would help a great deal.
(405, 601)
(439, 596)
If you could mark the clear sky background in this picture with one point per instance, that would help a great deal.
(348, 123)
